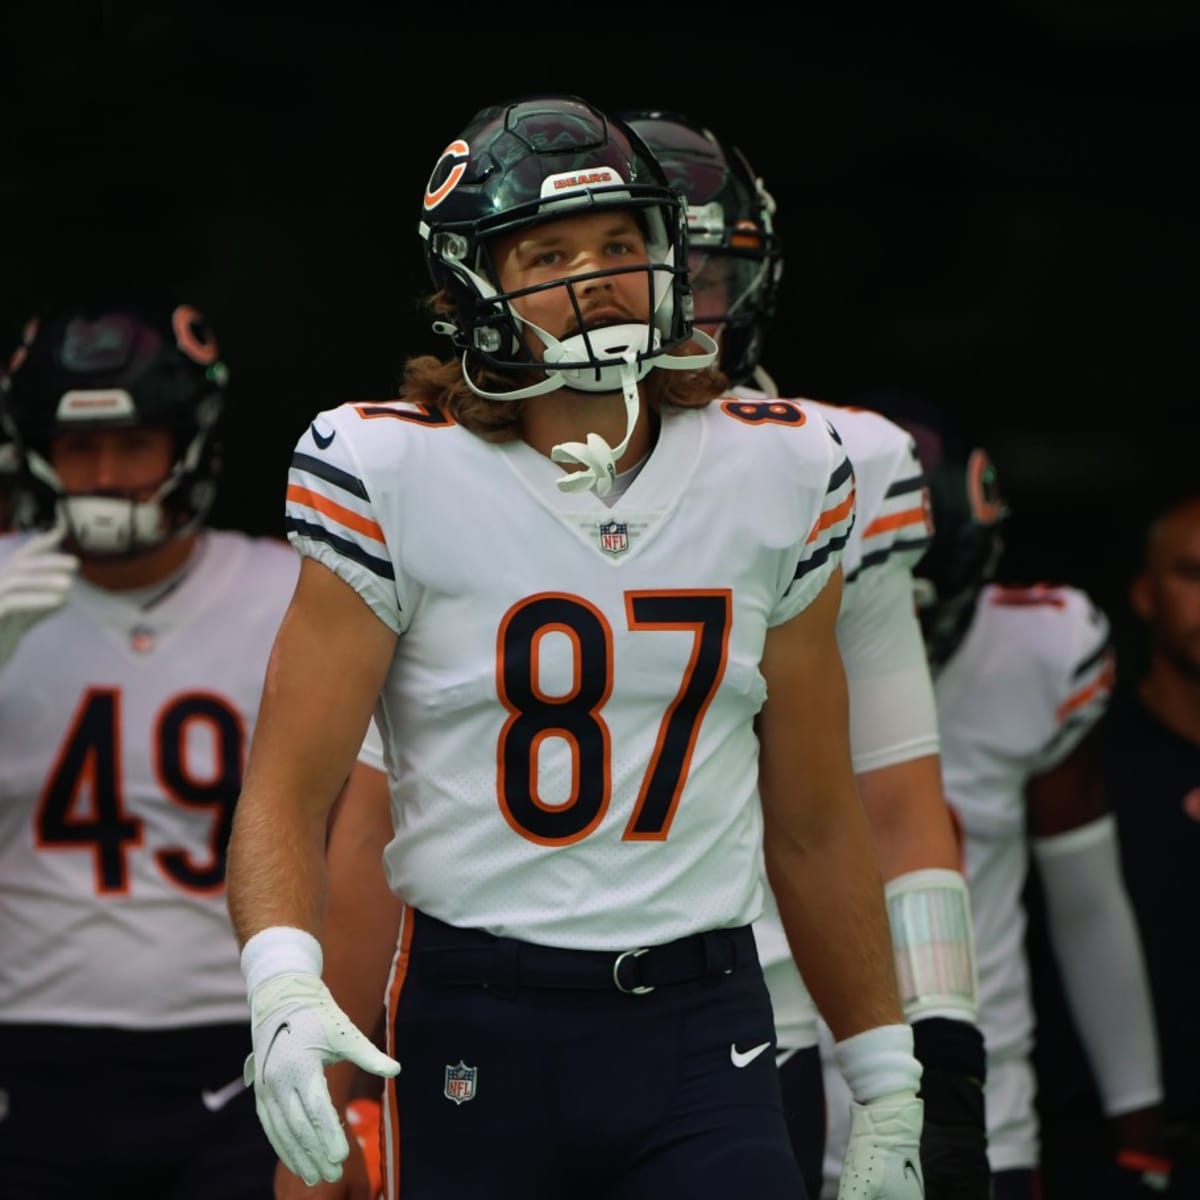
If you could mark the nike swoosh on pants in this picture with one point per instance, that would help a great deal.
(743, 1058)
(216, 1099)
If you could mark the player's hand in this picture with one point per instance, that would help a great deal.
(1139, 1176)
(1142, 1164)
(296, 1030)
(33, 583)
(355, 1183)
(954, 1137)
(883, 1154)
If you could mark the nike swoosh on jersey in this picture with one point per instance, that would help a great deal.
(323, 440)
(743, 1058)
(216, 1099)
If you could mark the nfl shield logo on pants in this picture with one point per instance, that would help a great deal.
(460, 1082)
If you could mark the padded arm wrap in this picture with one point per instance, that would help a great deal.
(934, 944)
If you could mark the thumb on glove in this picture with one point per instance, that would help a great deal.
(356, 1047)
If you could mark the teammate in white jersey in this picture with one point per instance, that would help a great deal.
(133, 645)
(736, 269)
(1022, 674)
(585, 676)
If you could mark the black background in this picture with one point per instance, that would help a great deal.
(997, 210)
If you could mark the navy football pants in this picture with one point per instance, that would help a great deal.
(582, 1091)
(116, 1114)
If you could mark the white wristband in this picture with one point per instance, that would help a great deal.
(878, 1062)
(280, 950)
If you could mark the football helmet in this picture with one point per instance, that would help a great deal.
(537, 159)
(968, 512)
(735, 255)
(108, 363)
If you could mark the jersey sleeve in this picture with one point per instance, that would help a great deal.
(330, 515)
(895, 524)
(1082, 675)
(821, 552)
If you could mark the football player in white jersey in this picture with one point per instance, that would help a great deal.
(133, 644)
(584, 597)
(736, 268)
(1022, 674)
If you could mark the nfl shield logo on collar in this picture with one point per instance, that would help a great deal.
(614, 537)
(460, 1083)
(141, 639)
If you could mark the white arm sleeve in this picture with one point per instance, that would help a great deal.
(1099, 953)
(893, 716)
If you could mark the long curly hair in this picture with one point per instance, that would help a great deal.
(441, 383)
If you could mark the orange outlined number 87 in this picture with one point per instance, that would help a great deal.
(576, 717)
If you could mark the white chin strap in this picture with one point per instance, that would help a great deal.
(111, 525)
(597, 458)
(107, 525)
(631, 356)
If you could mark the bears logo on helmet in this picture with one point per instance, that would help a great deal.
(530, 161)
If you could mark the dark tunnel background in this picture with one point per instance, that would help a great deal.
(999, 214)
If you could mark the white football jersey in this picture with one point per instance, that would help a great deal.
(568, 718)
(892, 716)
(124, 723)
(1032, 676)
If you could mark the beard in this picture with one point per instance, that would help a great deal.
(1182, 653)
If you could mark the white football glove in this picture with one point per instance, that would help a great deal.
(296, 1030)
(883, 1155)
(34, 583)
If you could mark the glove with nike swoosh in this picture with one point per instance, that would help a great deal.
(883, 1152)
(34, 583)
(297, 1029)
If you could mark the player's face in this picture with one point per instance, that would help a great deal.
(1167, 594)
(712, 283)
(573, 246)
(125, 462)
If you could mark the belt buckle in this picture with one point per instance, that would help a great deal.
(616, 972)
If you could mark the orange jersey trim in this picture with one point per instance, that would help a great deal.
(832, 516)
(344, 516)
(910, 516)
(1085, 695)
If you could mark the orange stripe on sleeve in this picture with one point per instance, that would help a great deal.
(344, 516)
(1103, 683)
(832, 516)
(898, 520)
